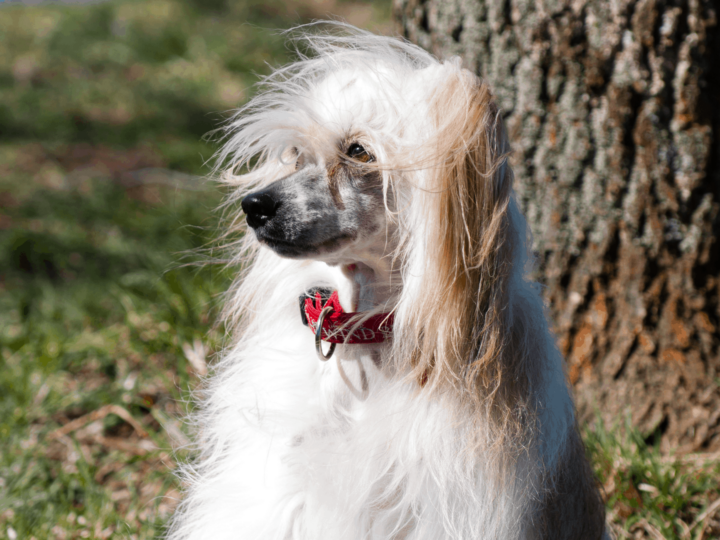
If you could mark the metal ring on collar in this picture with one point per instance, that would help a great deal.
(318, 337)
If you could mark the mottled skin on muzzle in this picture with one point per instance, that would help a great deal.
(320, 211)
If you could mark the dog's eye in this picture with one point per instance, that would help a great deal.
(356, 151)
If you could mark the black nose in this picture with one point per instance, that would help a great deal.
(260, 207)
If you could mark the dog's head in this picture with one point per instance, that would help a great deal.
(331, 135)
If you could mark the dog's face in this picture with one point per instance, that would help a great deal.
(330, 208)
(329, 203)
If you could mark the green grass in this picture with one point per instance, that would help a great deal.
(94, 310)
(649, 494)
(103, 109)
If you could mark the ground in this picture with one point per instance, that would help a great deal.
(110, 278)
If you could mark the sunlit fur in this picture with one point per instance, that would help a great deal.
(467, 430)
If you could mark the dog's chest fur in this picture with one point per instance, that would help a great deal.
(292, 453)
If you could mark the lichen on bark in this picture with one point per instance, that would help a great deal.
(613, 108)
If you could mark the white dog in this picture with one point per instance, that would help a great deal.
(379, 194)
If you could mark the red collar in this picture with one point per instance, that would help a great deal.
(338, 326)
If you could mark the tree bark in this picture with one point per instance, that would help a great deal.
(613, 110)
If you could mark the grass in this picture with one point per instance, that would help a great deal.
(103, 330)
(95, 310)
(651, 495)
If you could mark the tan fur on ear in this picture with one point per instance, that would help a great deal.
(461, 319)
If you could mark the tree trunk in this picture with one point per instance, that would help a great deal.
(613, 110)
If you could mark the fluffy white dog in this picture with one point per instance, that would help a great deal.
(379, 194)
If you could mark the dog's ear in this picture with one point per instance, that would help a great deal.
(452, 312)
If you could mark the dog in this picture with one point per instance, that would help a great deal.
(390, 373)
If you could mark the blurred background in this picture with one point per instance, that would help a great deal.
(106, 310)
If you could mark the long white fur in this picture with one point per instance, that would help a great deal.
(285, 450)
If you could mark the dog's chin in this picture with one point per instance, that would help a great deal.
(301, 250)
